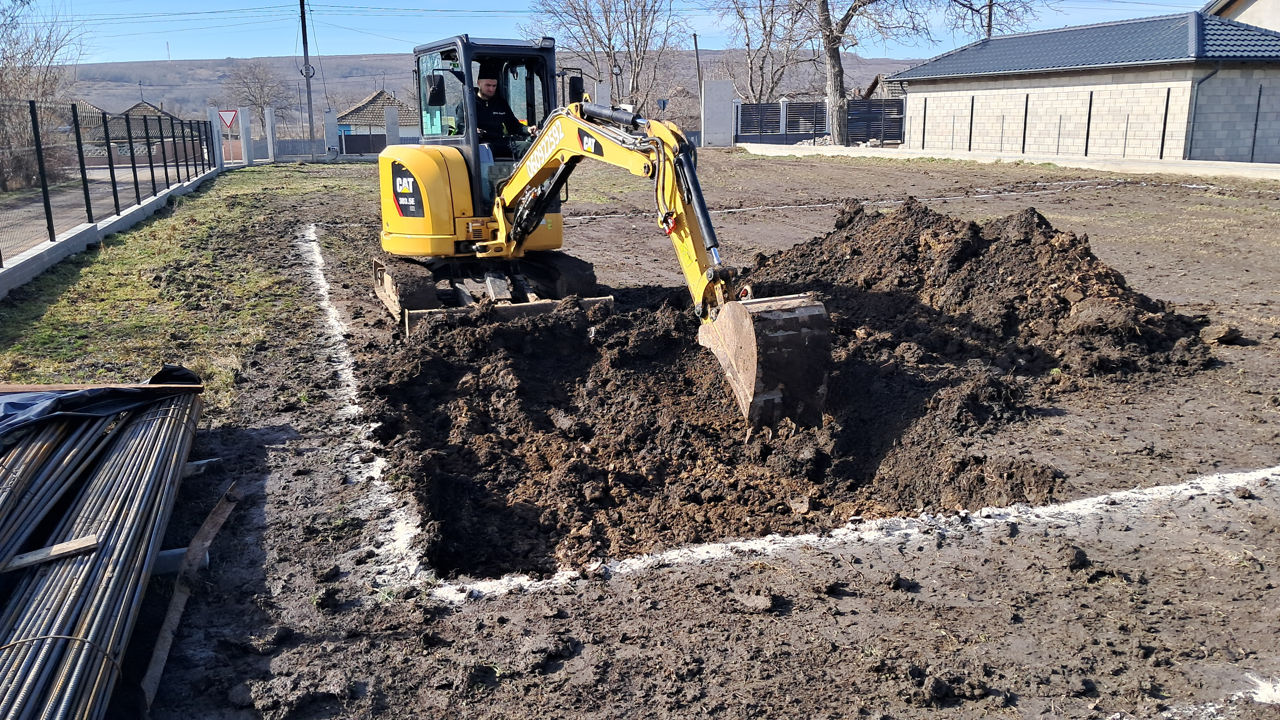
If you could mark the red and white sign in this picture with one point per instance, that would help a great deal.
(228, 117)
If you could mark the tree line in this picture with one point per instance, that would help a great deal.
(631, 38)
(627, 43)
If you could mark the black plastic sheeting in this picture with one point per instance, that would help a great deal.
(19, 410)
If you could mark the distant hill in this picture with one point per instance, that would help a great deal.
(187, 87)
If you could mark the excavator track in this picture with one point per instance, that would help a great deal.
(414, 291)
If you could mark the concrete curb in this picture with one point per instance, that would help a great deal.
(28, 265)
(1198, 168)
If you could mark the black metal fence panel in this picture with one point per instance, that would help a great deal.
(63, 165)
(875, 120)
(361, 144)
(879, 120)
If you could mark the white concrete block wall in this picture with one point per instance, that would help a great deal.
(1056, 108)
(1227, 105)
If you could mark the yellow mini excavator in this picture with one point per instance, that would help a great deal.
(468, 217)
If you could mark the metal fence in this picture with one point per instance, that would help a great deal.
(786, 123)
(63, 165)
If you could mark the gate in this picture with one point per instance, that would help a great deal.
(787, 123)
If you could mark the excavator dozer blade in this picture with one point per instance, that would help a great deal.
(776, 354)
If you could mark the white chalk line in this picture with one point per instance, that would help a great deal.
(395, 559)
(886, 530)
(901, 530)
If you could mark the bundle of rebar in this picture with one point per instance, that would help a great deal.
(67, 622)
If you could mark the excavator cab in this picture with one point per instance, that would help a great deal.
(448, 73)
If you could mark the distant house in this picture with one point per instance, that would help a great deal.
(1194, 86)
(368, 117)
(143, 118)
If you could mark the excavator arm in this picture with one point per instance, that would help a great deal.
(648, 149)
(775, 351)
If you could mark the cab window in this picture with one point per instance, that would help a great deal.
(441, 93)
(520, 82)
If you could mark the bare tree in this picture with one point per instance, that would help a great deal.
(773, 36)
(634, 36)
(982, 18)
(255, 85)
(892, 19)
(33, 50)
(859, 19)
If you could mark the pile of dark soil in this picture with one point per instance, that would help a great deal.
(558, 440)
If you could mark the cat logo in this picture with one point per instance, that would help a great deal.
(590, 143)
(404, 185)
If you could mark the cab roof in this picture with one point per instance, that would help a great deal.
(544, 43)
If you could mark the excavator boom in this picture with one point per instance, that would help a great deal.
(775, 352)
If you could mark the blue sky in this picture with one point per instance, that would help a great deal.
(119, 30)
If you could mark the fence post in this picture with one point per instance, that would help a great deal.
(1026, 115)
(737, 119)
(200, 155)
(215, 124)
(133, 159)
(186, 147)
(173, 142)
(84, 175)
(111, 161)
(971, 103)
(164, 154)
(782, 118)
(1088, 124)
(270, 131)
(1257, 113)
(207, 153)
(151, 164)
(210, 152)
(1164, 123)
(192, 168)
(246, 135)
(44, 180)
(924, 123)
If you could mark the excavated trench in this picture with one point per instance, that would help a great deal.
(556, 441)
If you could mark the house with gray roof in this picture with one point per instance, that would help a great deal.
(369, 115)
(1193, 86)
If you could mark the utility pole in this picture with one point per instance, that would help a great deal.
(308, 72)
(697, 60)
(990, 13)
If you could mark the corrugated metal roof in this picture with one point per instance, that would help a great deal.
(1146, 41)
(370, 111)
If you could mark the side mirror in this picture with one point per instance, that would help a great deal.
(575, 89)
(435, 90)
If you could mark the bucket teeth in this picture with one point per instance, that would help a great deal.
(776, 356)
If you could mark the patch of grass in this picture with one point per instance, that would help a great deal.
(187, 286)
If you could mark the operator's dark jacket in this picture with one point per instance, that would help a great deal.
(494, 119)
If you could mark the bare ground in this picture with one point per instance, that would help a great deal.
(318, 603)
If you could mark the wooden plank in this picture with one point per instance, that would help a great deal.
(53, 552)
(14, 388)
(182, 590)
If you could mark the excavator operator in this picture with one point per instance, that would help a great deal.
(496, 124)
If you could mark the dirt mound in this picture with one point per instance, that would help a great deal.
(575, 436)
(1014, 292)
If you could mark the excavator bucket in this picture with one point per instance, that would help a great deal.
(776, 354)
